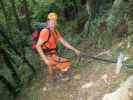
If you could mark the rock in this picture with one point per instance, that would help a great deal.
(105, 78)
(87, 85)
(45, 89)
(130, 93)
(123, 93)
(77, 77)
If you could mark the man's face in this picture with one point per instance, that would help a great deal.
(52, 23)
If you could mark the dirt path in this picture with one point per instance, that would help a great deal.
(94, 80)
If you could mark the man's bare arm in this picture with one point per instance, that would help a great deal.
(40, 51)
(69, 46)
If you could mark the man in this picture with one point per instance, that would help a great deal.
(46, 47)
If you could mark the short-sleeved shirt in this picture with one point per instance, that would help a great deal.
(51, 43)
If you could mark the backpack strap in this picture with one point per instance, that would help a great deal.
(48, 36)
(49, 49)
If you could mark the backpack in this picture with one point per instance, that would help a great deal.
(35, 37)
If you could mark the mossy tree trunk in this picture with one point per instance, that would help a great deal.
(89, 11)
(27, 15)
(15, 14)
(5, 15)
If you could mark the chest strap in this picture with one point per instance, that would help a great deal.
(48, 50)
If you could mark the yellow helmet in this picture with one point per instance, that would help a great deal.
(52, 15)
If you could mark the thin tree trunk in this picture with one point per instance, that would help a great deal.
(88, 8)
(28, 19)
(15, 14)
(76, 7)
(63, 1)
(6, 16)
(130, 14)
(83, 2)
(115, 10)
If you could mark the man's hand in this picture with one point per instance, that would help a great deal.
(77, 52)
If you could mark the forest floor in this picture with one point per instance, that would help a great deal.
(91, 81)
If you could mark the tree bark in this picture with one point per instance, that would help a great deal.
(28, 19)
(15, 14)
(88, 8)
(83, 2)
(115, 10)
(76, 7)
(6, 16)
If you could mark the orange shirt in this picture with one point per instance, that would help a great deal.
(51, 43)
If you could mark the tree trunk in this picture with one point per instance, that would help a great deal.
(15, 14)
(28, 19)
(115, 10)
(83, 2)
(130, 14)
(88, 8)
(92, 7)
(6, 16)
(76, 7)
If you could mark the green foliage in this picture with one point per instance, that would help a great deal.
(7, 74)
(100, 39)
(25, 73)
(41, 8)
(69, 33)
(70, 30)
(5, 95)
